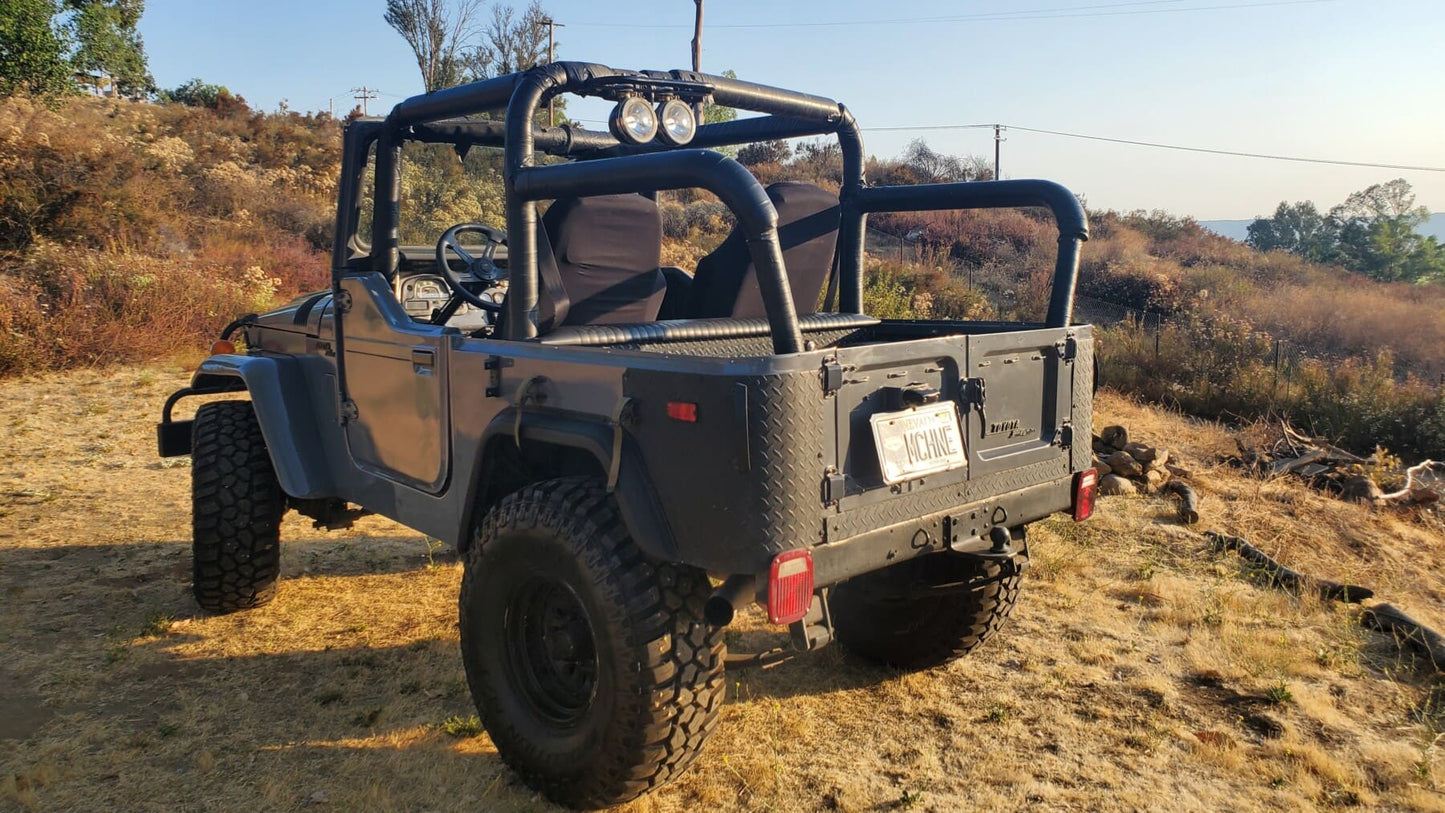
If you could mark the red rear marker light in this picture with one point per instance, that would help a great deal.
(790, 586)
(682, 411)
(1086, 488)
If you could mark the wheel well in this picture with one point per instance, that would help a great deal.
(507, 469)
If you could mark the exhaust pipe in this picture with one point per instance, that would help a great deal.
(731, 596)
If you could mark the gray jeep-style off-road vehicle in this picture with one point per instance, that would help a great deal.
(599, 435)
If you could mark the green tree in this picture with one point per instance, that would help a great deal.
(1298, 228)
(32, 52)
(197, 93)
(1378, 234)
(108, 44)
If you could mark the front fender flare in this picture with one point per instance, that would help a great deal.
(642, 511)
(288, 418)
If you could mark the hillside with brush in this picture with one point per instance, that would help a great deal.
(130, 230)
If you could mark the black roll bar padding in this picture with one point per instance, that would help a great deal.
(680, 169)
(851, 226)
(1069, 216)
(521, 302)
(488, 94)
(561, 140)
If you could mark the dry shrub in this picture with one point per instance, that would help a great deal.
(130, 230)
(63, 307)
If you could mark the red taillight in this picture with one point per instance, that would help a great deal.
(790, 586)
(1086, 488)
(682, 411)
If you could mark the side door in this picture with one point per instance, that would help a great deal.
(395, 380)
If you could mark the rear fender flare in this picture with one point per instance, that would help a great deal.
(641, 509)
(282, 402)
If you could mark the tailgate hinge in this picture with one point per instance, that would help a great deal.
(835, 485)
(832, 376)
(1066, 434)
(1068, 348)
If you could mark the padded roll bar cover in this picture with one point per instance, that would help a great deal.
(696, 330)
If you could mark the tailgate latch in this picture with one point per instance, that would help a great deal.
(973, 398)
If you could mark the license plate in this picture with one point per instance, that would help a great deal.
(918, 442)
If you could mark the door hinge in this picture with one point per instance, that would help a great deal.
(343, 301)
(1068, 348)
(494, 365)
(349, 413)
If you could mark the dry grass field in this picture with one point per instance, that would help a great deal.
(1140, 671)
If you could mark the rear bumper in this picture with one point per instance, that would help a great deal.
(963, 528)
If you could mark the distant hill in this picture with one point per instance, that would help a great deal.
(1239, 229)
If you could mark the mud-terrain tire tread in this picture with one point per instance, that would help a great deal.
(927, 627)
(236, 509)
(668, 698)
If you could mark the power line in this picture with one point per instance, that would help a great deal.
(1057, 13)
(1134, 143)
(1236, 153)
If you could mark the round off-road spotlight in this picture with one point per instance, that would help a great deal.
(676, 122)
(633, 120)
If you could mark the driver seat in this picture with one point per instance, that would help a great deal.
(599, 259)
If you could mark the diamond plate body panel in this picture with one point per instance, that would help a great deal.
(743, 482)
(1084, 400)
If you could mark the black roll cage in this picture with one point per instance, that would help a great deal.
(606, 165)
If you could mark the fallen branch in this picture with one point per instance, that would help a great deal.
(1389, 618)
(1188, 500)
(1410, 480)
(1285, 578)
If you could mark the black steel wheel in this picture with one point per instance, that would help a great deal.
(591, 665)
(927, 611)
(236, 509)
(551, 652)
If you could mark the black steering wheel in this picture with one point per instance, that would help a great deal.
(481, 267)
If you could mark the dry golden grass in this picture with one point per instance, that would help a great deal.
(1139, 670)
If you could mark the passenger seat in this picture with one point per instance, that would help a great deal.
(726, 283)
(598, 259)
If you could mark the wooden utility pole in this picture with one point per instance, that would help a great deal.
(697, 50)
(364, 94)
(552, 26)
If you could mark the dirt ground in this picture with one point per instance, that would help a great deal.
(1139, 671)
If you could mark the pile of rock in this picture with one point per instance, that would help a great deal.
(1131, 468)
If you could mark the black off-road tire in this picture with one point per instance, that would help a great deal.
(590, 664)
(236, 510)
(927, 611)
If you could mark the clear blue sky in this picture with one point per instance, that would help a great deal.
(1360, 80)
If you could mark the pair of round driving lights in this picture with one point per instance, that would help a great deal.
(636, 121)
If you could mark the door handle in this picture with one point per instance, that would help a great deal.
(423, 360)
